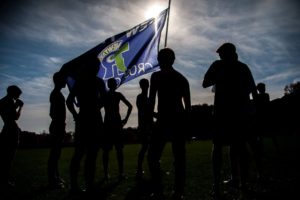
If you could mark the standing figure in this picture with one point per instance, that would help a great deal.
(87, 92)
(10, 111)
(173, 106)
(114, 126)
(145, 123)
(233, 83)
(57, 130)
(262, 106)
(262, 103)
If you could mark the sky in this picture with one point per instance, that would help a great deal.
(38, 36)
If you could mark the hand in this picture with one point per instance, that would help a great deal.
(19, 103)
(75, 117)
(155, 115)
(124, 121)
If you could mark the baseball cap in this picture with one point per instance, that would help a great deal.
(226, 47)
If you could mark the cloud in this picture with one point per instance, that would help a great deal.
(37, 37)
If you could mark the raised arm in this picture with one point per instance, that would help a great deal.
(209, 77)
(129, 109)
(70, 104)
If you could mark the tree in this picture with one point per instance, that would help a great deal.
(293, 88)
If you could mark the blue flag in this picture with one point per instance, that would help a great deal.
(125, 56)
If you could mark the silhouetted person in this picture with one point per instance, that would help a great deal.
(262, 102)
(114, 126)
(173, 95)
(233, 83)
(57, 129)
(88, 92)
(262, 107)
(145, 123)
(10, 111)
(263, 113)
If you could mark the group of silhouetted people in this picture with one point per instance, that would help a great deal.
(235, 117)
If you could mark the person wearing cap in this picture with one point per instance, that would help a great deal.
(10, 111)
(173, 105)
(233, 83)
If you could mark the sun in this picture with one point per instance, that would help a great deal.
(153, 10)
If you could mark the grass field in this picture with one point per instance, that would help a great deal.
(281, 164)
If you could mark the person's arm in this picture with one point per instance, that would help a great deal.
(187, 98)
(129, 109)
(19, 105)
(209, 79)
(102, 91)
(268, 97)
(70, 104)
(252, 85)
(152, 95)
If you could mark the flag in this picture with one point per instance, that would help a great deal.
(124, 56)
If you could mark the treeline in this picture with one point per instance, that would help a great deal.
(283, 118)
(33, 140)
(43, 140)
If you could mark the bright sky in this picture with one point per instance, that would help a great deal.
(38, 36)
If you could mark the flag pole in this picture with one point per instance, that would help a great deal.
(167, 27)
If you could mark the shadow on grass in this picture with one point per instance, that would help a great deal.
(140, 191)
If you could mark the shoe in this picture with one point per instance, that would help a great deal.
(215, 193)
(60, 180)
(177, 195)
(5, 186)
(139, 175)
(232, 183)
(56, 185)
(122, 177)
(157, 196)
(106, 178)
(77, 191)
(139, 172)
(11, 184)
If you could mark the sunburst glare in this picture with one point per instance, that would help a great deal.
(154, 10)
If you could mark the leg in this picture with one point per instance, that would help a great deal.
(90, 166)
(178, 148)
(54, 155)
(156, 147)
(234, 164)
(143, 150)
(75, 166)
(7, 155)
(217, 166)
(8, 147)
(105, 159)
(120, 159)
(52, 166)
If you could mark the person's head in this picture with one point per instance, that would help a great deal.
(166, 58)
(144, 84)
(112, 84)
(227, 51)
(14, 91)
(261, 87)
(59, 79)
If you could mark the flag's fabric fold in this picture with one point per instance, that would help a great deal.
(124, 56)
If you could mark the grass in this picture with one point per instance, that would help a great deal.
(30, 165)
